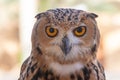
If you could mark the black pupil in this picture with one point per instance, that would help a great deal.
(51, 30)
(79, 29)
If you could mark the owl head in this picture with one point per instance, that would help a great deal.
(66, 35)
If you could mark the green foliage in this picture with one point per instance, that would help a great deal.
(92, 5)
(19, 56)
(104, 7)
(9, 1)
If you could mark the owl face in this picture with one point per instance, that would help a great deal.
(66, 34)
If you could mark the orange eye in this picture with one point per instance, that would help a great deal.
(79, 31)
(51, 32)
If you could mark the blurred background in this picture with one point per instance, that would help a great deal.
(17, 20)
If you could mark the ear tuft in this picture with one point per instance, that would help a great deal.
(39, 15)
(92, 15)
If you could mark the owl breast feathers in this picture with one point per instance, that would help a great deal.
(64, 45)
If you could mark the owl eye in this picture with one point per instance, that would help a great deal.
(79, 31)
(51, 32)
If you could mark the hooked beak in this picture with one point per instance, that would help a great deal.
(65, 47)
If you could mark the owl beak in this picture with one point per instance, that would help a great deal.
(65, 47)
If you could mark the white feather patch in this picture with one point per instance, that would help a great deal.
(65, 68)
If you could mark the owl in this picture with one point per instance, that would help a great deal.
(64, 45)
